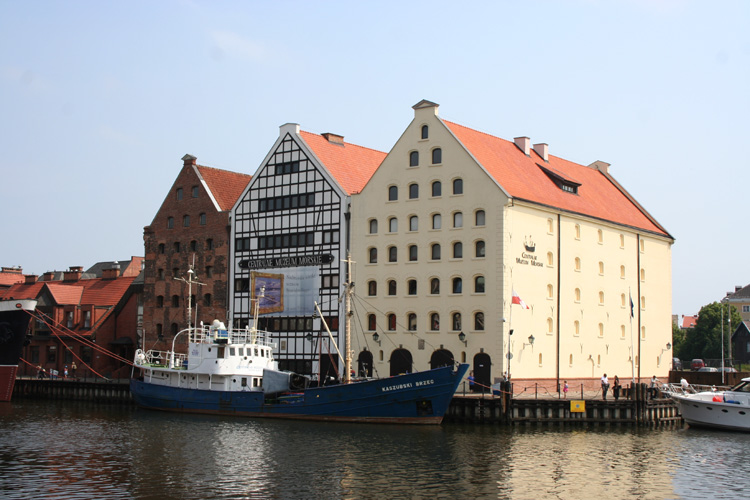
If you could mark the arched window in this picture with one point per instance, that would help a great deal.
(373, 226)
(601, 329)
(578, 264)
(643, 275)
(412, 287)
(391, 322)
(434, 322)
(207, 299)
(479, 218)
(425, 131)
(550, 291)
(437, 156)
(479, 249)
(622, 300)
(479, 321)
(437, 221)
(162, 248)
(411, 321)
(170, 222)
(372, 288)
(413, 250)
(436, 251)
(413, 223)
(186, 220)
(622, 331)
(601, 297)
(175, 301)
(414, 159)
(392, 193)
(392, 287)
(160, 301)
(435, 286)
(550, 259)
(202, 218)
(458, 219)
(549, 325)
(373, 255)
(578, 294)
(601, 268)
(371, 322)
(457, 285)
(456, 321)
(458, 250)
(479, 284)
(392, 225)
(578, 232)
(600, 236)
(458, 186)
(413, 191)
(576, 328)
(392, 254)
(437, 189)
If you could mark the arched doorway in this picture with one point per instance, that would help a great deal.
(400, 362)
(364, 364)
(441, 357)
(482, 372)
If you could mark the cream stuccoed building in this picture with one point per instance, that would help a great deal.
(455, 221)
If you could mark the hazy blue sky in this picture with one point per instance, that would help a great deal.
(100, 100)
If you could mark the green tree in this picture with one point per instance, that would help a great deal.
(704, 340)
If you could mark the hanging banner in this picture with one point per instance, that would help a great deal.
(289, 291)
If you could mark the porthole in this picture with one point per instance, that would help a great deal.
(709, 408)
(725, 411)
(742, 412)
(696, 406)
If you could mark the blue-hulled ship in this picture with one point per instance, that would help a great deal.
(234, 373)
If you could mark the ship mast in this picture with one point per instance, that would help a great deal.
(349, 290)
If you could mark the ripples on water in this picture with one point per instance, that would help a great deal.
(83, 451)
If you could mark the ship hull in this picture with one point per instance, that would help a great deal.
(414, 398)
(14, 321)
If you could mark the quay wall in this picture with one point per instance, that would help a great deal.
(116, 391)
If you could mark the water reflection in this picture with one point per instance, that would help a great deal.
(75, 450)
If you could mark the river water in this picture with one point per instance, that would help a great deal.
(68, 450)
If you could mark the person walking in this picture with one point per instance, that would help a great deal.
(616, 388)
(471, 381)
(605, 386)
(565, 389)
(653, 387)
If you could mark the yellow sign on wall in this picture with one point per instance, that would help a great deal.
(577, 406)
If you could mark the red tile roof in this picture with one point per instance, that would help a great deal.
(225, 186)
(351, 165)
(68, 294)
(7, 279)
(689, 321)
(96, 292)
(22, 291)
(599, 195)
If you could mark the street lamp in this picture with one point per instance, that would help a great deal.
(531, 341)
(376, 337)
(462, 338)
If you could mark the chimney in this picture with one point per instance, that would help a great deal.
(49, 276)
(73, 274)
(12, 270)
(30, 279)
(601, 166)
(737, 288)
(333, 138)
(542, 150)
(110, 274)
(523, 143)
(188, 160)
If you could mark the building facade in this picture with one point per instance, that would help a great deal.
(190, 231)
(290, 233)
(82, 319)
(455, 221)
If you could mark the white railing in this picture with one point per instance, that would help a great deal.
(691, 389)
(209, 335)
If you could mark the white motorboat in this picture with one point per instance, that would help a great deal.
(722, 409)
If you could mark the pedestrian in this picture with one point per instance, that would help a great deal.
(65, 372)
(653, 387)
(73, 369)
(565, 389)
(471, 381)
(39, 371)
(616, 388)
(605, 386)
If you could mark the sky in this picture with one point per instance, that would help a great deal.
(99, 101)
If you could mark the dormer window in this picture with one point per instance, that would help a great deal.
(561, 181)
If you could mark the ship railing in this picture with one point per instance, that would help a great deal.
(209, 335)
(691, 388)
(165, 358)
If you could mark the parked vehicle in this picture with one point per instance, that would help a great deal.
(676, 364)
(708, 369)
(729, 369)
(697, 364)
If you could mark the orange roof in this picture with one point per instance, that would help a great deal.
(66, 293)
(225, 186)
(21, 291)
(599, 195)
(689, 321)
(7, 279)
(351, 165)
(101, 292)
